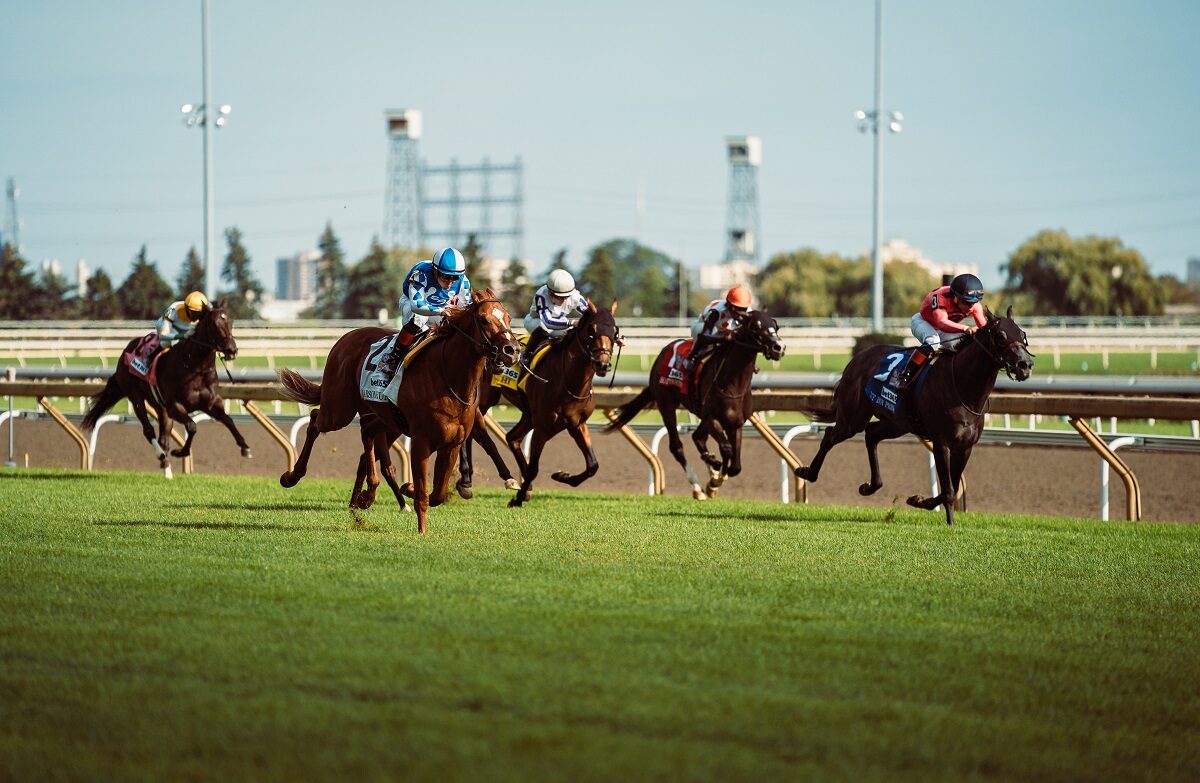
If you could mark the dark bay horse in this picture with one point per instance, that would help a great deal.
(187, 382)
(949, 404)
(719, 398)
(436, 404)
(557, 397)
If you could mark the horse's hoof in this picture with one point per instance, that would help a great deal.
(179, 453)
(512, 484)
(464, 491)
(515, 502)
(802, 472)
(246, 453)
(288, 480)
(407, 489)
(915, 501)
(711, 491)
(562, 476)
(868, 489)
(698, 494)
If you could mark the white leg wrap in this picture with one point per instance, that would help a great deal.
(167, 474)
(158, 450)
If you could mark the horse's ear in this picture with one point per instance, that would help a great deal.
(1009, 314)
(613, 309)
(591, 307)
(988, 314)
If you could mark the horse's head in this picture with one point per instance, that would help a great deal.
(1007, 344)
(597, 332)
(761, 332)
(494, 326)
(215, 329)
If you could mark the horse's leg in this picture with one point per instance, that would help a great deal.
(216, 411)
(700, 438)
(366, 472)
(945, 497)
(356, 490)
(531, 471)
(190, 426)
(382, 448)
(958, 464)
(420, 466)
(466, 471)
(139, 408)
(165, 424)
(583, 439)
(514, 437)
(442, 467)
(842, 429)
(877, 431)
(480, 435)
(292, 477)
(675, 444)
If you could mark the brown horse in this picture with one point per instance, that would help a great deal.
(436, 403)
(557, 397)
(719, 398)
(187, 382)
(949, 405)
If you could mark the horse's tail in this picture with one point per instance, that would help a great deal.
(107, 397)
(826, 415)
(296, 387)
(630, 409)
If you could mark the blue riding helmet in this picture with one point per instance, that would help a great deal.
(450, 262)
(968, 288)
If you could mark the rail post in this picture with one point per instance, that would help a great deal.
(631, 436)
(1133, 491)
(12, 460)
(275, 433)
(784, 452)
(85, 457)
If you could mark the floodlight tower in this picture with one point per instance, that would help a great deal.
(742, 224)
(402, 224)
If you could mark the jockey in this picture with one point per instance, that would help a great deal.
(180, 319)
(718, 323)
(940, 319)
(556, 307)
(429, 288)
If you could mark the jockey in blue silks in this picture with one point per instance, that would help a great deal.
(429, 288)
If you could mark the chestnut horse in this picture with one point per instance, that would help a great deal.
(187, 382)
(949, 405)
(557, 397)
(719, 398)
(436, 402)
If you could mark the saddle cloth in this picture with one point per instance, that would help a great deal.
(509, 377)
(673, 372)
(138, 359)
(377, 383)
(882, 390)
(533, 363)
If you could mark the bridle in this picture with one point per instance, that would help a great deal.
(194, 339)
(590, 352)
(484, 346)
(756, 347)
(996, 355)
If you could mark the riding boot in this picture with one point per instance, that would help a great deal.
(915, 363)
(404, 341)
(536, 339)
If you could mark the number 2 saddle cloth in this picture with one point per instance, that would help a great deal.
(378, 383)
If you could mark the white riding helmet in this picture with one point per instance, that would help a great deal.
(560, 283)
(450, 262)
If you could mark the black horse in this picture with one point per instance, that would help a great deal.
(187, 382)
(720, 399)
(948, 405)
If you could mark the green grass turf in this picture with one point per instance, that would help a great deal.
(224, 628)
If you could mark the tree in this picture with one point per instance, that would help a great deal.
(374, 282)
(247, 292)
(17, 288)
(472, 254)
(52, 297)
(1053, 274)
(191, 277)
(99, 301)
(1177, 292)
(806, 283)
(144, 294)
(331, 276)
(598, 279)
(518, 289)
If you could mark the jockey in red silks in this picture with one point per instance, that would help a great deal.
(719, 322)
(941, 318)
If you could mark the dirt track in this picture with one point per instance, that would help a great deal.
(1017, 479)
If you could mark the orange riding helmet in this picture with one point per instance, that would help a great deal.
(739, 297)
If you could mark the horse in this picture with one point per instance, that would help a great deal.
(719, 398)
(187, 382)
(949, 404)
(557, 397)
(436, 401)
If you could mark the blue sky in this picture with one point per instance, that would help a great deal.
(1019, 116)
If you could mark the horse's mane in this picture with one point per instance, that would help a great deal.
(460, 317)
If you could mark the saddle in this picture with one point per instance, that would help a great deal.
(138, 359)
(379, 383)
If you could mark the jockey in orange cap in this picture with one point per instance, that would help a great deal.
(719, 321)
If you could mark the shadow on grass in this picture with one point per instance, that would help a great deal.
(26, 476)
(869, 517)
(316, 505)
(194, 525)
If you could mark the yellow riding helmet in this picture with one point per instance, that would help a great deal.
(196, 303)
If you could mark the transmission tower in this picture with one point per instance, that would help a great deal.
(457, 200)
(402, 207)
(12, 231)
(742, 240)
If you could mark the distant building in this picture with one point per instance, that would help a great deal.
(717, 278)
(900, 250)
(51, 266)
(83, 273)
(1193, 271)
(296, 277)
